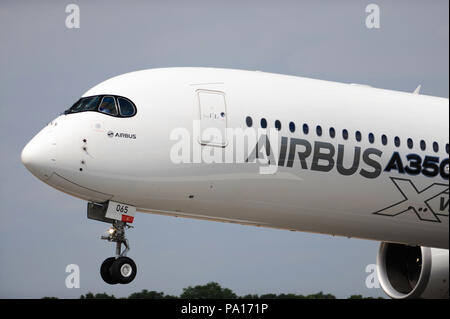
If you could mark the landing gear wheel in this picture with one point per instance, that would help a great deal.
(123, 270)
(119, 269)
(105, 271)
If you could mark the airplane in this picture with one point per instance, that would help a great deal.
(265, 150)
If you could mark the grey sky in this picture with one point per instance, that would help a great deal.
(45, 67)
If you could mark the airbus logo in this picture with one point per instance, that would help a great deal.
(429, 204)
(122, 135)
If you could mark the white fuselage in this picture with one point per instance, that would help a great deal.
(343, 189)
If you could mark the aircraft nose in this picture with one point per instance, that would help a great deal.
(38, 155)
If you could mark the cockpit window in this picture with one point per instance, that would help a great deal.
(126, 107)
(108, 105)
(117, 106)
(86, 104)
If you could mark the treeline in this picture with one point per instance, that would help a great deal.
(211, 290)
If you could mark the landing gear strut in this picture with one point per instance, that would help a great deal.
(119, 269)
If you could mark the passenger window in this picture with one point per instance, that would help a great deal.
(278, 125)
(332, 132)
(358, 136)
(397, 141)
(305, 129)
(410, 143)
(126, 108)
(435, 147)
(371, 138)
(249, 121)
(384, 139)
(345, 134)
(108, 106)
(292, 127)
(263, 123)
(423, 145)
(319, 130)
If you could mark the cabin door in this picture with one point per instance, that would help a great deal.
(213, 117)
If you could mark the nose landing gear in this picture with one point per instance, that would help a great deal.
(119, 269)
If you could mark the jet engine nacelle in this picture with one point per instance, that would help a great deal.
(413, 272)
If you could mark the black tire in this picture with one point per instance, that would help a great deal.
(124, 270)
(105, 271)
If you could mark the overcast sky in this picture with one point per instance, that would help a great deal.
(45, 67)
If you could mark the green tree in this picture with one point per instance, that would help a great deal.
(145, 294)
(90, 295)
(269, 296)
(290, 296)
(321, 295)
(361, 297)
(211, 290)
(249, 296)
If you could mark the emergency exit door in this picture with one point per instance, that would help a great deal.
(213, 118)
